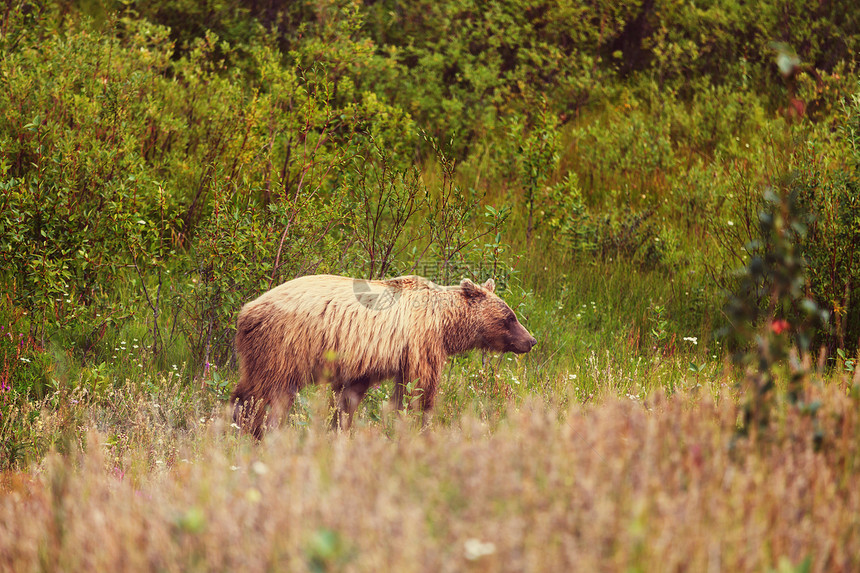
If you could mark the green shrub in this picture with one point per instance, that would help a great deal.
(827, 184)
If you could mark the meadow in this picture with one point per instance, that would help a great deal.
(665, 194)
(662, 484)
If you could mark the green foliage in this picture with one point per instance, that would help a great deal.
(460, 67)
(385, 200)
(827, 184)
(729, 41)
(25, 377)
(620, 235)
(167, 157)
(770, 306)
(457, 224)
(634, 146)
(327, 550)
(535, 159)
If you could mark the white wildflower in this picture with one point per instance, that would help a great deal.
(475, 548)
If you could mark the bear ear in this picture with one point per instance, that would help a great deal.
(470, 289)
(490, 285)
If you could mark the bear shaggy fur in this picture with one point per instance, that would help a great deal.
(355, 333)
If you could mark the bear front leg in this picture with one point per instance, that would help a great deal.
(399, 392)
(348, 397)
(403, 398)
(423, 376)
(427, 399)
(279, 407)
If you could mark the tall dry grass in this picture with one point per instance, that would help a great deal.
(619, 486)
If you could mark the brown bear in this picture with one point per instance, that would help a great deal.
(355, 333)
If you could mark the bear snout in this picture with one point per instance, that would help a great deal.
(523, 344)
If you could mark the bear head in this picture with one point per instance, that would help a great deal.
(497, 326)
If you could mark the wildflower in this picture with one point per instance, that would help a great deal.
(692, 339)
(234, 468)
(235, 425)
(253, 495)
(259, 468)
(779, 326)
(731, 223)
(25, 359)
(475, 548)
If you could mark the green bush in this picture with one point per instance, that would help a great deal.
(118, 170)
(827, 184)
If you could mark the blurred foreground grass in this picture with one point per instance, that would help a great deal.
(658, 484)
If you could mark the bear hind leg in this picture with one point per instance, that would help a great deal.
(257, 414)
(347, 397)
(249, 413)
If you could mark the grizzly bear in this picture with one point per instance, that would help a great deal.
(356, 333)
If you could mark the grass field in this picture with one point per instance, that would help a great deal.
(651, 483)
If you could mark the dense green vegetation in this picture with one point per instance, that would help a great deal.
(668, 194)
